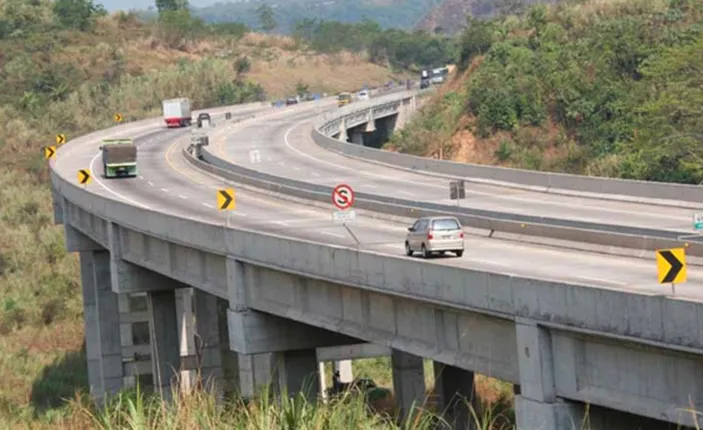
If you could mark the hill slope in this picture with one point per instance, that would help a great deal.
(602, 88)
(66, 73)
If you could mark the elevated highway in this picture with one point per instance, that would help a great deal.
(567, 326)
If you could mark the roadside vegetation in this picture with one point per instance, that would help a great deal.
(610, 88)
(68, 67)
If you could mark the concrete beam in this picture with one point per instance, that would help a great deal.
(356, 351)
(76, 241)
(253, 332)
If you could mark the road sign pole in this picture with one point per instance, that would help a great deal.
(356, 239)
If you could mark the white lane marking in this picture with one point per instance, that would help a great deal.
(332, 234)
(183, 197)
(296, 168)
(165, 190)
(150, 183)
(208, 205)
(283, 223)
(481, 193)
(109, 189)
(316, 174)
(141, 177)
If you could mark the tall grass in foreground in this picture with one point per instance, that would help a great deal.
(136, 410)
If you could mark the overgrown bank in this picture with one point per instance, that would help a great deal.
(68, 70)
(599, 88)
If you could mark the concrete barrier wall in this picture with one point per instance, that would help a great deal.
(541, 181)
(506, 222)
(668, 322)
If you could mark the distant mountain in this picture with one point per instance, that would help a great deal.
(388, 13)
(447, 15)
(115, 5)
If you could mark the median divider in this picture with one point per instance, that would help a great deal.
(658, 193)
(641, 239)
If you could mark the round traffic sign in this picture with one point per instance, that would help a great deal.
(343, 196)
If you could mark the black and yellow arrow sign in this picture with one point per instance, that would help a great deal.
(84, 176)
(225, 199)
(49, 152)
(60, 138)
(671, 265)
(118, 117)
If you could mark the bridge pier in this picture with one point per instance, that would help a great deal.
(102, 326)
(456, 391)
(272, 350)
(537, 405)
(165, 346)
(357, 137)
(408, 382)
(208, 350)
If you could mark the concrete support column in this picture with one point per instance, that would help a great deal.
(537, 405)
(90, 318)
(408, 381)
(344, 367)
(102, 321)
(343, 131)
(456, 391)
(186, 333)
(254, 371)
(357, 138)
(165, 355)
(298, 371)
(207, 341)
(257, 373)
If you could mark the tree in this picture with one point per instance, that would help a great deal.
(171, 5)
(77, 14)
(302, 88)
(241, 66)
(266, 18)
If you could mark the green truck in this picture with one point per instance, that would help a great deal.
(119, 158)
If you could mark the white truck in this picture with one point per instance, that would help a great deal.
(177, 112)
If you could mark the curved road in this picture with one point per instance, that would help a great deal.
(293, 154)
(169, 184)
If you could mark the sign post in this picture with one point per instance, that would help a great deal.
(343, 199)
(698, 221)
(457, 191)
(226, 201)
(84, 177)
(671, 267)
(255, 156)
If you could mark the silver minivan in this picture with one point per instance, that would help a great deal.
(437, 234)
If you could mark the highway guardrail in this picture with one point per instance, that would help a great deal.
(562, 229)
(558, 183)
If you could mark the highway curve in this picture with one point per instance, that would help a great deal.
(288, 150)
(169, 184)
